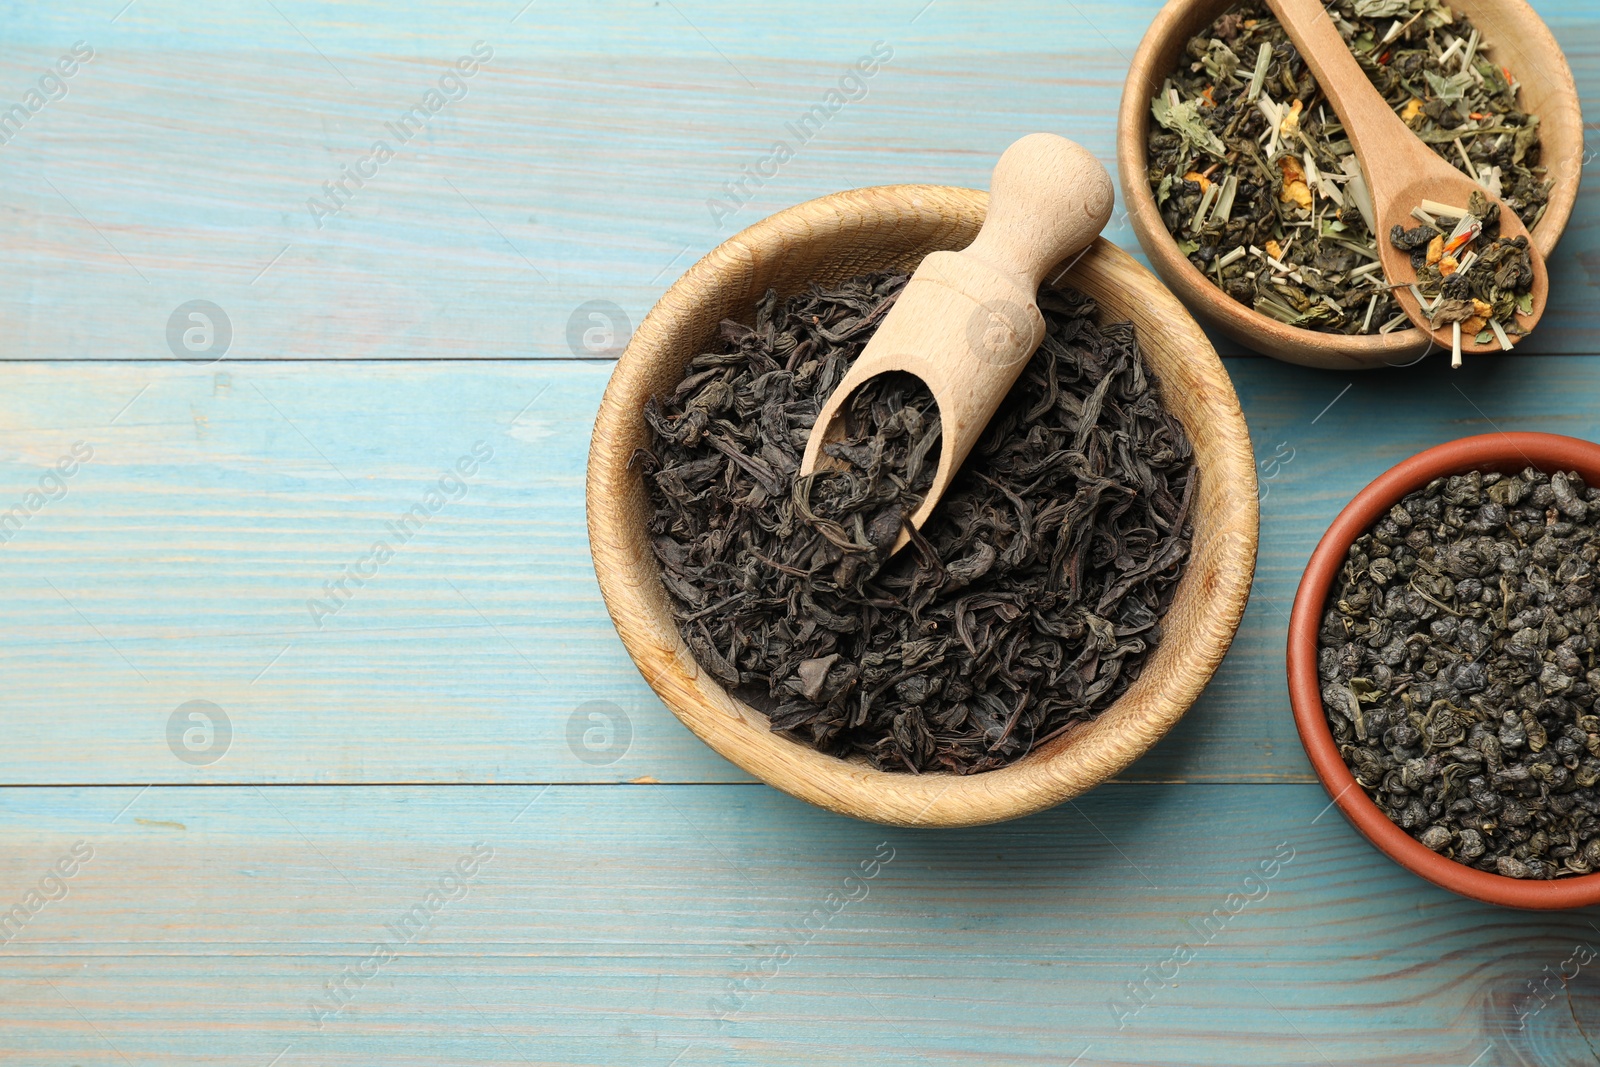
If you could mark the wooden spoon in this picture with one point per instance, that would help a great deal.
(967, 322)
(1400, 169)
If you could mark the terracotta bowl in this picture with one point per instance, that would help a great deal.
(1516, 39)
(1506, 452)
(828, 241)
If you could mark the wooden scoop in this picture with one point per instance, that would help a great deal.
(1400, 169)
(967, 322)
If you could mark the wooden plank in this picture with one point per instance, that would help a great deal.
(578, 165)
(609, 924)
(612, 925)
(179, 564)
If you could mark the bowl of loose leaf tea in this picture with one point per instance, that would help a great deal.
(1059, 611)
(1443, 672)
(1248, 199)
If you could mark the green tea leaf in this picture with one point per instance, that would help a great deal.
(1448, 89)
(1220, 61)
(1363, 689)
(1184, 120)
(1383, 9)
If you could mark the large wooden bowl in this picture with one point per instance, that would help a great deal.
(1514, 36)
(828, 241)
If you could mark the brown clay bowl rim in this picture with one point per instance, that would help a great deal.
(1508, 452)
(1249, 327)
(1216, 583)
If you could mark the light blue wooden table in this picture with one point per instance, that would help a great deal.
(398, 833)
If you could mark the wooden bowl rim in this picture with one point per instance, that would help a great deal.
(636, 602)
(1508, 452)
(1262, 333)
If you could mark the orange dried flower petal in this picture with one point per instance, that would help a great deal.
(1291, 122)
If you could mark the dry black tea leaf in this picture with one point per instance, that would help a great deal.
(1257, 182)
(1027, 603)
(1457, 661)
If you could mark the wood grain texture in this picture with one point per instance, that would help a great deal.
(380, 348)
(612, 931)
(591, 143)
(206, 520)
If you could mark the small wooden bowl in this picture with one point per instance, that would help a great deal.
(1516, 38)
(1506, 452)
(892, 228)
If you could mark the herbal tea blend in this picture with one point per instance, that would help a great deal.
(1467, 273)
(1027, 603)
(1256, 180)
(1457, 660)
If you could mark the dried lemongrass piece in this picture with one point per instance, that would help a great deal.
(1205, 205)
(1366, 321)
(1357, 188)
(1472, 50)
(1224, 208)
(1444, 211)
(1500, 335)
(1259, 77)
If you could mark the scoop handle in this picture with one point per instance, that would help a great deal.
(1048, 198)
(1375, 132)
(967, 322)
